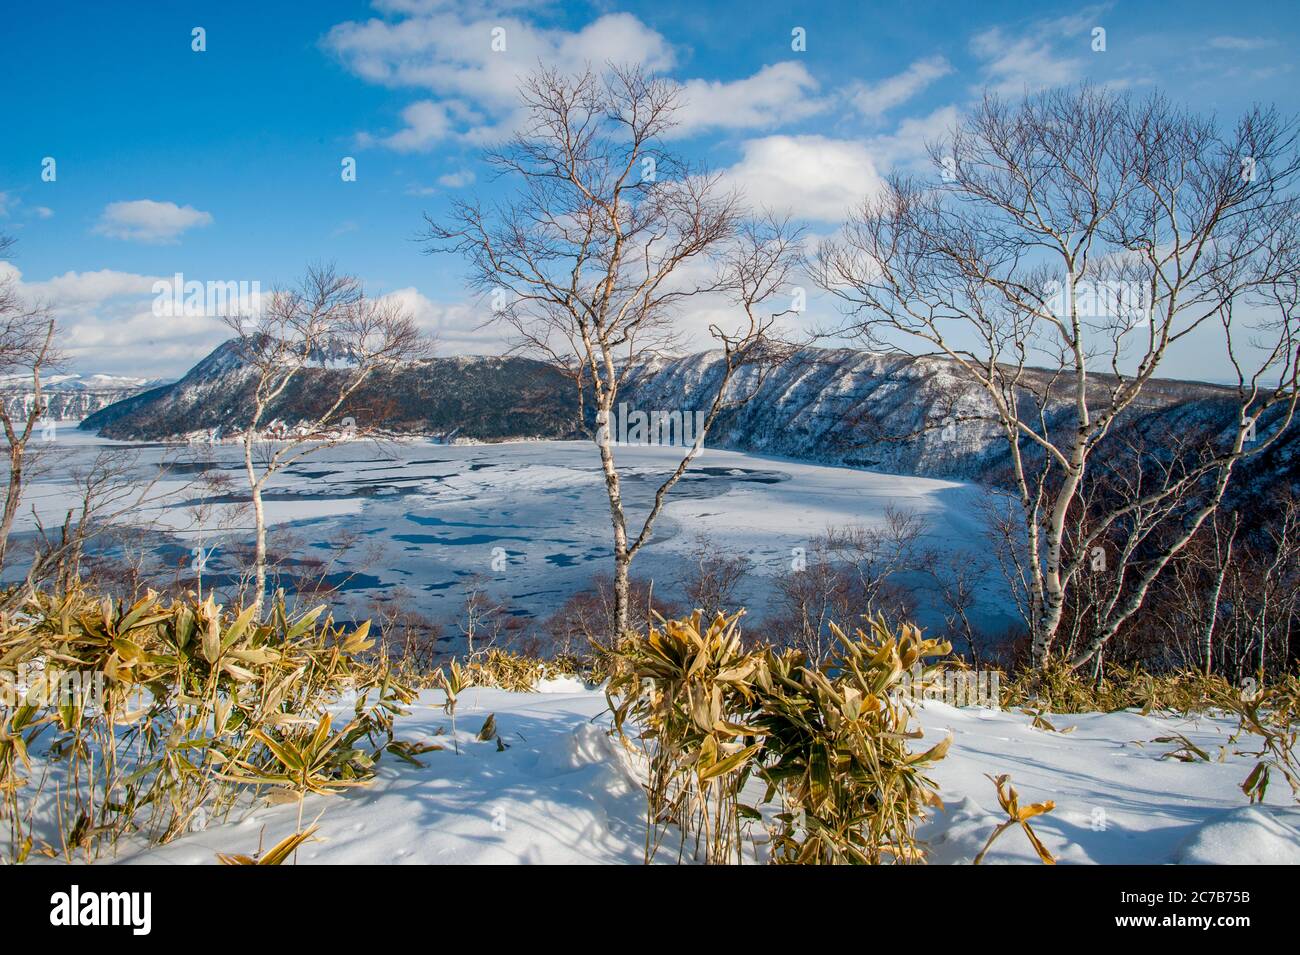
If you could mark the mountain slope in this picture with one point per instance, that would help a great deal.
(481, 398)
(885, 412)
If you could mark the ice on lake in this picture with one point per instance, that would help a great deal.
(530, 518)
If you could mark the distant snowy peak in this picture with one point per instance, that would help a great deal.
(100, 382)
(76, 382)
(72, 397)
(231, 356)
(334, 354)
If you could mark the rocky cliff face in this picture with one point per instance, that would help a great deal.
(71, 397)
(864, 409)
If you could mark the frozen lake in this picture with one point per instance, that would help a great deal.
(530, 518)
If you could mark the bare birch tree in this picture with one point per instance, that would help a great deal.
(28, 352)
(608, 238)
(325, 321)
(1231, 602)
(1064, 246)
(111, 492)
(713, 576)
(1221, 561)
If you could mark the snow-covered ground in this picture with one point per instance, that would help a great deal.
(564, 792)
(529, 518)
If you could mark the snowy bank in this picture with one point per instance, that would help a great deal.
(564, 792)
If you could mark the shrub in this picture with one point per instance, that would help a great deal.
(1057, 688)
(176, 708)
(1272, 714)
(517, 672)
(828, 744)
(690, 689)
(835, 748)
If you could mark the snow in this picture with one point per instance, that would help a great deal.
(1248, 835)
(1117, 800)
(559, 794)
(565, 792)
(82, 382)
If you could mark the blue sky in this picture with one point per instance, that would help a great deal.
(225, 164)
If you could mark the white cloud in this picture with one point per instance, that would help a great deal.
(107, 324)
(454, 58)
(435, 47)
(11, 205)
(76, 289)
(146, 220)
(1017, 65)
(906, 146)
(427, 123)
(872, 100)
(776, 94)
(1046, 53)
(779, 93)
(433, 6)
(457, 180)
(457, 328)
(810, 177)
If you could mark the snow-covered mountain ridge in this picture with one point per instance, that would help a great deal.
(485, 398)
(832, 406)
(885, 412)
